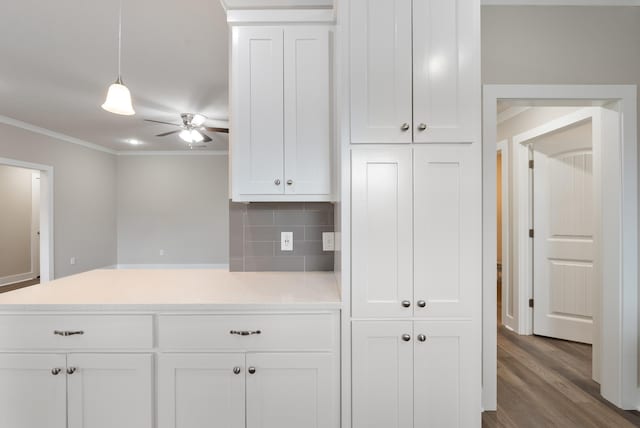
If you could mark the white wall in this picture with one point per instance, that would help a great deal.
(15, 222)
(84, 197)
(177, 203)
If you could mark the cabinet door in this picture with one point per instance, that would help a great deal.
(32, 396)
(307, 104)
(381, 232)
(447, 229)
(257, 111)
(110, 390)
(197, 390)
(291, 391)
(447, 367)
(446, 70)
(380, 55)
(382, 374)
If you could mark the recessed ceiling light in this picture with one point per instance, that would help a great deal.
(134, 142)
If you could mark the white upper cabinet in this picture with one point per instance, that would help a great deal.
(281, 98)
(415, 71)
(380, 71)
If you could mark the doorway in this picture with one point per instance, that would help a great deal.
(27, 227)
(617, 312)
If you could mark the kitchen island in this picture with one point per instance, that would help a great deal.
(172, 348)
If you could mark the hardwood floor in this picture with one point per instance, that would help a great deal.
(18, 285)
(545, 382)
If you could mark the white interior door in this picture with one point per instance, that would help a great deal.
(35, 223)
(563, 274)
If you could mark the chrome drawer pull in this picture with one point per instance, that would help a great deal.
(245, 332)
(67, 333)
(56, 371)
(71, 370)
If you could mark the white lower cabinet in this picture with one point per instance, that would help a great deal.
(76, 390)
(273, 390)
(420, 374)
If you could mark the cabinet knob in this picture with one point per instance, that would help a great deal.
(422, 127)
(406, 303)
(276, 181)
(406, 337)
(56, 371)
(422, 338)
(405, 127)
(251, 370)
(71, 370)
(289, 182)
(236, 370)
(422, 303)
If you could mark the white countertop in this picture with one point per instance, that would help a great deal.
(177, 289)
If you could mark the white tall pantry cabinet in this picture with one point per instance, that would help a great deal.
(412, 145)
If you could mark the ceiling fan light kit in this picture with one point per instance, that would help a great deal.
(118, 96)
(192, 128)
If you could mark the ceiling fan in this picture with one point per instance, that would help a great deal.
(192, 128)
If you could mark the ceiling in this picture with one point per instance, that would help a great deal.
(59, 57)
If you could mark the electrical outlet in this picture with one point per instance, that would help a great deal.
(286, 241)
(72, 261)
(328, 241)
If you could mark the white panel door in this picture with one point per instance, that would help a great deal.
(446, 71)
(381, 232)
(380, 55)
(382, 374)
(32, 395)
(447, 367)
(257, 105)
(198, 390)
(447, 241)
(110, 390)
(307, 114)
(563, 245)
(291, 391)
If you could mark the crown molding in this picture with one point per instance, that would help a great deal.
(172, 153)
(53, 134)
(560, 2)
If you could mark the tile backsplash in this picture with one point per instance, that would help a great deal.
(254, 236)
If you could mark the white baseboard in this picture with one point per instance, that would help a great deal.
(169, 266)
(13, 279)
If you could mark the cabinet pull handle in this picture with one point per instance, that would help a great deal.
(406, 337)
(289, 182)
(276, 181)
(71, 370)
(422, 127)
(422, 338)
(67, 333)
(237, 370)
(56, 371)
(406, 303)
(405, 127)
(422, 303)
(251, 370)
(245, 332)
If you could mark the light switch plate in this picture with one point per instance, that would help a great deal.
(328, 241)
(286, 241)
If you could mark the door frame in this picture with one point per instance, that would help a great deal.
(619, 382)
(46, 214)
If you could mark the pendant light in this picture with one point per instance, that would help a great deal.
(118, 97)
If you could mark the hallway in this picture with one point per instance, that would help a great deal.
(545, 382)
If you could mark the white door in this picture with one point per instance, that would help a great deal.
(307, 114)
(257, 119)
(382, 374)
(381, 254)
(198, 390)
(290, 391)
(563, 278)
(447, 384)
(35, 223)
(110, 390)
(33, 390)
(380, 55)
(447, 241)
(446, 64)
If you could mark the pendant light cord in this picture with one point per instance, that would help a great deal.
(119, 41)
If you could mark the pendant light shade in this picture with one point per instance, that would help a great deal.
(119, 99)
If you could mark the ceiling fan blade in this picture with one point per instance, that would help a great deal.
(164, 134)
(165, 123)
(206, 138)
(222, 130)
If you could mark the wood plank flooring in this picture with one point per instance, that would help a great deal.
(545, 382)
(18, 285)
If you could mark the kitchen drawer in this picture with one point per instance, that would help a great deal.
(98, 332)
(277, 332)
